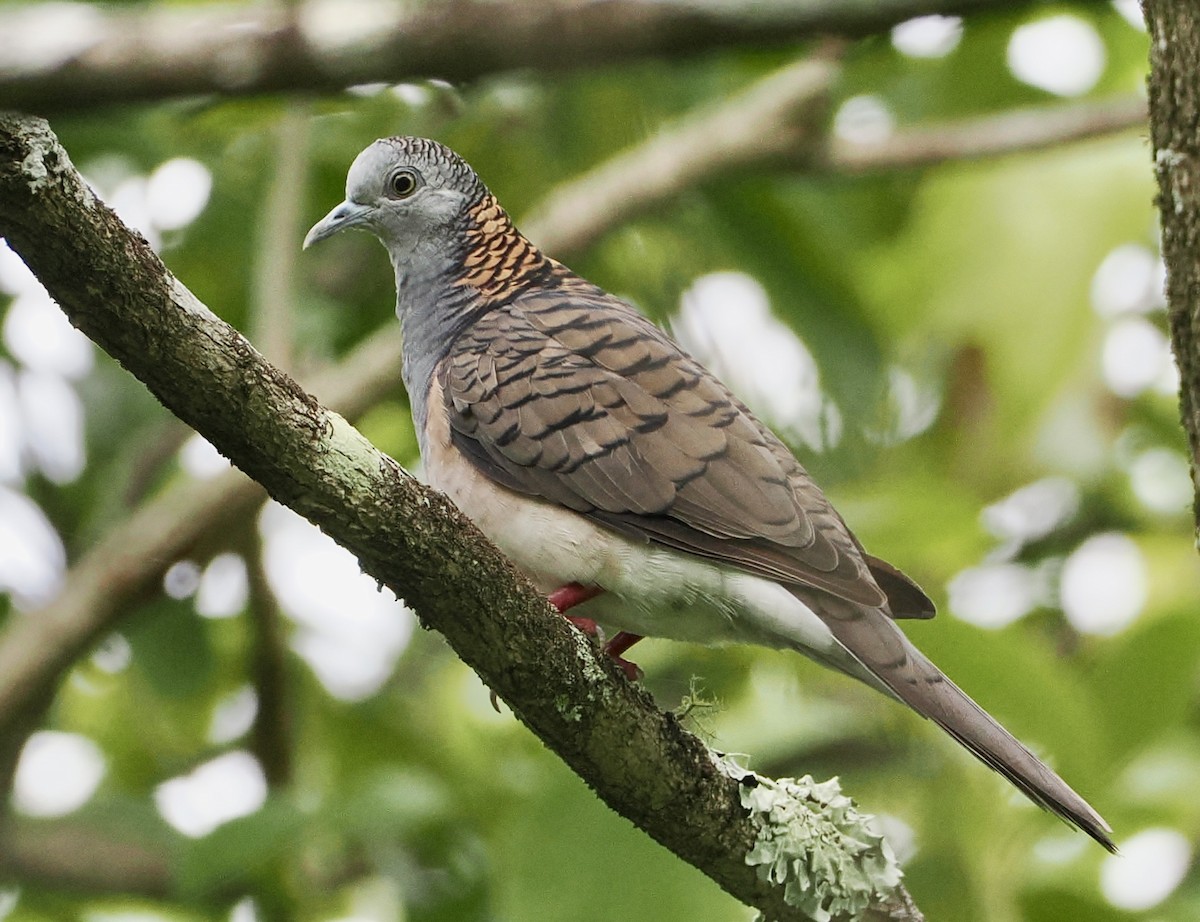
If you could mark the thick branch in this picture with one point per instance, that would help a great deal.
(114, 288)
(1175, 132)
(325, 45)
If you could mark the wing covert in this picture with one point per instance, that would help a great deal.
(570, 394)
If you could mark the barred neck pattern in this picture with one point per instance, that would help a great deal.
(498, 262)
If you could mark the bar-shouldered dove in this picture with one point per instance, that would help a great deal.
(622, 475)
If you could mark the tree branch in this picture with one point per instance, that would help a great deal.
(1175, 133)
(149, 54)
(766, 124)
(272, 736)
(128, 563)
(638, 759)
(73, 854)
(1012, 132)
(773, 124)
(271, 324)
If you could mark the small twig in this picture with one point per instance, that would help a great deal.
(271, 737)
(273, 315)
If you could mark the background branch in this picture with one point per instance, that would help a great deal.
(76, 855)
(147, 54)
(272, 735)
(128, 563)
(1012, 132)
(114, 288)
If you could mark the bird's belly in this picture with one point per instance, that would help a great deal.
(650, 589)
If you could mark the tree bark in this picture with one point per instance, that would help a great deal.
(637, 758)
(1175, 134)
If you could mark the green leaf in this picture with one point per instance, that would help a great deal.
(234, 855)
(171, 648)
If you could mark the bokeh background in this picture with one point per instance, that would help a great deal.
(970, 357)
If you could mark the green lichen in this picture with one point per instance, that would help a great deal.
(815, 843)
(567, 709)
(697, 708)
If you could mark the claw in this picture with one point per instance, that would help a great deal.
(567, 597)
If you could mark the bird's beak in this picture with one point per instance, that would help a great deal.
(347, 214)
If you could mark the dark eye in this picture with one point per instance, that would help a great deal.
(402, 183)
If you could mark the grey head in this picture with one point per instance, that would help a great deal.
(453, 248)
(412, 193)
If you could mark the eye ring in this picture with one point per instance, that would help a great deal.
(402, 183)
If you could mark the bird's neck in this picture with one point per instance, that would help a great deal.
(440, 291)
(497, 261)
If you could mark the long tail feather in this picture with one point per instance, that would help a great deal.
(875, 642)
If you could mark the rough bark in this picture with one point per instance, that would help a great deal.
(237, 50)
(1175, 134)
(637, 758)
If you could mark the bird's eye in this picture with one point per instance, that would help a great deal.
(402, 183)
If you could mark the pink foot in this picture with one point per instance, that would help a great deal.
(567, 597)
(618, 645)
(587, 625)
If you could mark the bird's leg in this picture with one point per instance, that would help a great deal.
(618, 645)
(566, 597)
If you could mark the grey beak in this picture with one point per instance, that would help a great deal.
(347, 214)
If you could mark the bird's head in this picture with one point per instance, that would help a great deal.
(406, 191)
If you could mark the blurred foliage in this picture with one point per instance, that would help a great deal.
(419, 802)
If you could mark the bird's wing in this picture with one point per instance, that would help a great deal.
(569, 394)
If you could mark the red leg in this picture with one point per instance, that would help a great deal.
(572, 594)
(567, 597)
(618, 645)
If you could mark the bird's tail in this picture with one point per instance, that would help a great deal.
(875, 642)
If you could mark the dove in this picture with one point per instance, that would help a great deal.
(622, 476)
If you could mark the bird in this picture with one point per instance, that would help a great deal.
(619, 474)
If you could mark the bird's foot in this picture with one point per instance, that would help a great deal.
(564, 598)
(567, 597)
(587, 625)
(618, 645)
